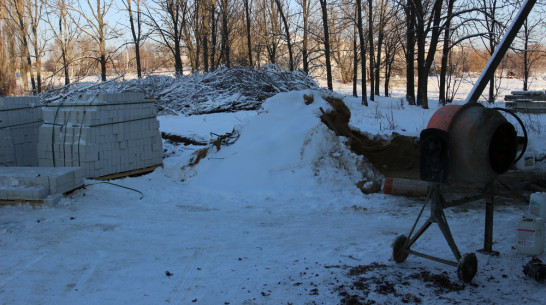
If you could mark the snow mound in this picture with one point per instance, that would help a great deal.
(222, 90)
(280, 150)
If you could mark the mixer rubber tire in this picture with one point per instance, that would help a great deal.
(399, 253)
(468, 266)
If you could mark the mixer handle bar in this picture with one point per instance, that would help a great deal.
(521, 140)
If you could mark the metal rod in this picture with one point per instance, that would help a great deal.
(422, 230)
(434, 258)
(438, 215)
(501, 49)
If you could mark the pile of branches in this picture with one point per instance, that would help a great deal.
(223, 90)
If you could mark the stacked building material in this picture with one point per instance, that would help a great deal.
(526, 101)
(103, 133)
(20, 119)
(38, 183)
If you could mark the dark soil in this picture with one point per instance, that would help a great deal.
(176, 139)
(368, 282)
(397, 156)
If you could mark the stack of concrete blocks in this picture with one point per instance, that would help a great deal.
(102, 133)
(38, 183)
(20, 119)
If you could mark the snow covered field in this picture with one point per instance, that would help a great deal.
(274, 218)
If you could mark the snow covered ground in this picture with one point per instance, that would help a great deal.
(274, 218)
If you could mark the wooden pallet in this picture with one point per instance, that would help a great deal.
(20, 201)
(135, 172)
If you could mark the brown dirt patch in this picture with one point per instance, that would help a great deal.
(397, 156)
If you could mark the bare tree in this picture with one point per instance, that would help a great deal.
(495, 14)
(225, 47)
(410, 51)
(324, 9)
(445, 51)
(96, 27)
(360, 27)
(17, 19)
(270, 29)
(370, 48)
(342, 34)
(248, 33)
(167, 20)
(383, 18)
(34, 12)
(280, 6)
(7, 53)
(135, 23)
(531, 52)
(393, 36)
(64, 33)
(306, 9)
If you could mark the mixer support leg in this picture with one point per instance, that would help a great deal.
(439, 217)
(489, 210)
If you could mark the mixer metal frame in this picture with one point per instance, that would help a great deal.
(467, 265)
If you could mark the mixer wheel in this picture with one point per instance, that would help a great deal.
(468, 266)
(399, 253)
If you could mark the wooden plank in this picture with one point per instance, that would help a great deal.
(527, 107)
(526, 96)
(17, 202)
(135, 172)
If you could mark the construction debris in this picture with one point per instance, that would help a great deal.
(222, 90)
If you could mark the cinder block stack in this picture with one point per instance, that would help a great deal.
(37, 183)
(20, 119)
(103, 133)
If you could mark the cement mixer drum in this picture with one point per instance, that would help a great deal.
(481, 144)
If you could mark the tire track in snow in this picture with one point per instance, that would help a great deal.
(88, 272)
(15, 271)
(189, 275)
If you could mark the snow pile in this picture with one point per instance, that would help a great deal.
(222, 90)
(282, 149)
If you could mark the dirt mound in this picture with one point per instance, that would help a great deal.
(397, 156)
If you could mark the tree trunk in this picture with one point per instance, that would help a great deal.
(326, 45)
(287, 34)
(22, 26)
(135, 35)
(525, 55)
(102, 42)
(445, 53)
(410, 53)
(213, 36)
(378, 59)
(225, 53)
(248, 34)
(305, 7)
(370, 46)
(362, 50)
(355, 62)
